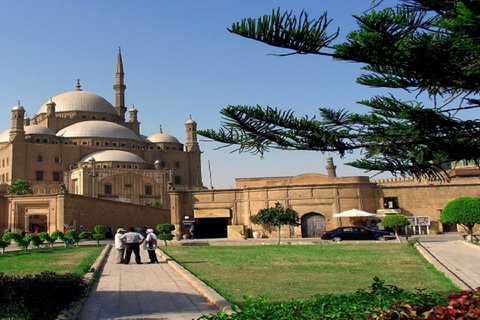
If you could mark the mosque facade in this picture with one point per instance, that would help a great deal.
(78, 143)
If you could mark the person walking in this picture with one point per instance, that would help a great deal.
(151, 245)
(120, 246)
(132, 240)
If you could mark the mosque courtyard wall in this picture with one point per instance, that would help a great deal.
(317, 203)
(53, 212)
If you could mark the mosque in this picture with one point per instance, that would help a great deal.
(89, 165)
(79, 144)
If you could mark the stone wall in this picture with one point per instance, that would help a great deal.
(70, 209)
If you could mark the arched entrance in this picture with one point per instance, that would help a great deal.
(313, 224)
(36, 221)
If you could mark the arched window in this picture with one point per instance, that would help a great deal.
(39, 158)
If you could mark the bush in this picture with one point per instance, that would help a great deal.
(45, 237)
(22, 242)
(99, 234)
(40, 297)
(165, 228)
(358, 305)
(462, 305)
(165, 232)
(165, 237)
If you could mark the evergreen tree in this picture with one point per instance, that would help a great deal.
(20, 187)
(426, 47)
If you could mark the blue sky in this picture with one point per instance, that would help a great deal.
(180, 61)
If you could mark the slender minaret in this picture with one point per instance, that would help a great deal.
(120, 87)
(192, 143)
(331, 168)
(16, 131)
(133, 114)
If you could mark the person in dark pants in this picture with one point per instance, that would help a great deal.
(151, 245)
(132, 240)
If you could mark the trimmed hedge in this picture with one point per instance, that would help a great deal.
(41, 297)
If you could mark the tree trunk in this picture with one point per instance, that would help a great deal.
(278, 235)
(396, 235)
(469, 232)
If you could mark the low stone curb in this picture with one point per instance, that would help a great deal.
(211, 295)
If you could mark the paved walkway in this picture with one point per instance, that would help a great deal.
(147, 291)
(459, 260)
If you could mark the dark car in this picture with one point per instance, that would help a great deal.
(355, 233)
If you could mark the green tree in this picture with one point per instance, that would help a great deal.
(395, 221)
(99, 234)
(4, 244)
(73, 236)
(428, 48)
(464, 211)
(57, 234)
(276, 216)
(21, 241)
(157, 204)
(165, 232)
(46, 238)
(20, 187)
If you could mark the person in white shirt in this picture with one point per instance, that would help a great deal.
(120, 246)
(151, 246)
(132, 240)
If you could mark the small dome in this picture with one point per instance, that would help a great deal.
(36, 129)
(5, 136)
(189, 121)
(97, 128)
(79, 100)
(162, 138)
(18, 107)
(113, 156)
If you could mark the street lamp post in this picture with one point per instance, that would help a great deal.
(91, 160)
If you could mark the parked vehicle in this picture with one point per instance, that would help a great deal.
(355, 233)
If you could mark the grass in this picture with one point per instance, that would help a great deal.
(298, 272)
(76, 260)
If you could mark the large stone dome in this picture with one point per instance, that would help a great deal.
(98, 129)
(162, 138)
(113, 156)
(79, 100)
(36, 129)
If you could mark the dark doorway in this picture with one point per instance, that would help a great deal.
(212, 227)
(313, 225)
(449, 227)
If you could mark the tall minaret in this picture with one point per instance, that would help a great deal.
(192, 143)
(120, 87)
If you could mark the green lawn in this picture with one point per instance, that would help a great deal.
(76, 260)
(284, 272)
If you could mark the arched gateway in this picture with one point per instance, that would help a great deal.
(313, 224)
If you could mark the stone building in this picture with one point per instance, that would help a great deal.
(79, 144)
(317, 197)
(90, 165)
